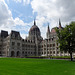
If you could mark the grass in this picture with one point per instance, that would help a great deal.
(23, 66)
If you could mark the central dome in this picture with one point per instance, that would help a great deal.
(34, 33)
(34, 30)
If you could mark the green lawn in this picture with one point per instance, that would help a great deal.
(22, 66)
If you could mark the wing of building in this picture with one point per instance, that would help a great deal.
(13, 45)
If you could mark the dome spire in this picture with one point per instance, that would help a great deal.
(34, 22)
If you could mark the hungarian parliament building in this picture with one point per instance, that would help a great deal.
(13, 45)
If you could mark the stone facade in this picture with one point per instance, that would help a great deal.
(13, 45)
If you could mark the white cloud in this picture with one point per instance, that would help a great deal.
(47, 11)
(54, 9)
(6, 18)
(23, 1)
(51, 10)
(24, 35)
(7, 22)
(18, 21)
(5, 13)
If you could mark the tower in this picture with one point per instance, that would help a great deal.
(48, 32)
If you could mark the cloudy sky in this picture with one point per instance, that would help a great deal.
(19, 15)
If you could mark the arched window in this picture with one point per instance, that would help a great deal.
(12, 53)
(18, 54)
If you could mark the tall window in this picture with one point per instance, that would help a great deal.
(57, 52)
(50, 45)
(22, 45)
(53, 45)
(53, 52)
(13, 43)
(18, 44)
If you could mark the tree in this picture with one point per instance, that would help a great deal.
(66, 38)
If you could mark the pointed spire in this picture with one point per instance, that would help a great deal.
(34, 22)
(59, 23)
(48, 30)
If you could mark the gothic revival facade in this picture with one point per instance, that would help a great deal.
(13, 45)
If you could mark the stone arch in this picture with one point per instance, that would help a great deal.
(12, 53)
(18, 54)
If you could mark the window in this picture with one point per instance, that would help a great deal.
(28, 52)
(22, 45)
(53, 52)
(53, 45)
(50, 45)
(57, 52)
(23, 40)
(25, 52)
(45, 53)
(52, 39)
(18, 44)
(0, 52)
(48, 52)
(13, 43)
(44, 48)
(61, 51)
(31, 52)
(47, 45)
(57, 47)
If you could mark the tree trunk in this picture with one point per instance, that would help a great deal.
(71, 56)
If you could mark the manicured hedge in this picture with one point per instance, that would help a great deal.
(50, 57)
(60, 57)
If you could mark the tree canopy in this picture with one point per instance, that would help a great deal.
(66, 38)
